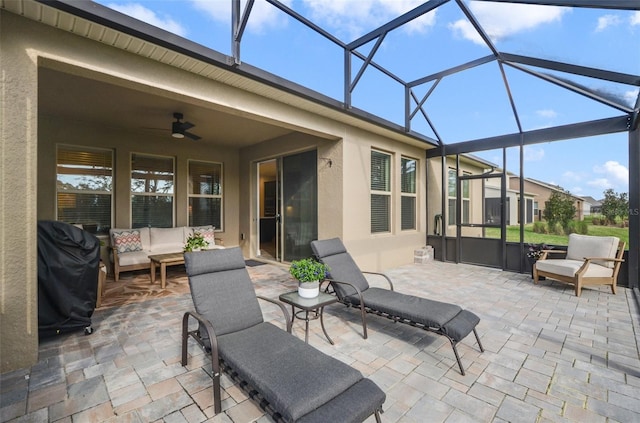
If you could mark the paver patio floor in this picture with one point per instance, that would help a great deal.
(550, 356)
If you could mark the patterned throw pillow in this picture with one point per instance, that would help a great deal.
(208, 233)
(127, 241)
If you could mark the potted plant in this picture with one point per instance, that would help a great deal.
(195, 242)
(309, 273)
(534, 252)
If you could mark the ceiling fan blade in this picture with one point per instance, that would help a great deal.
(186, 125)
(192, 136)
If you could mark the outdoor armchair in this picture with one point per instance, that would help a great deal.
(352, 289)
(589, 260)
(291, 380)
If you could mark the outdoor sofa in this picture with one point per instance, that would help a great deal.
(291, 380)
(352, 289)
(132, 247)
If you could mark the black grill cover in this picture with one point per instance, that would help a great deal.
(68, 266)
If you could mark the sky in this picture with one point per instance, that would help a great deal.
(464, 106)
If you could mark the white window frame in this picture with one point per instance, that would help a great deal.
(153, 194)
(408, 194)
(211, 196)
(385, 193)
(81, 149)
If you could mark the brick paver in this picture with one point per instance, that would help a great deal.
(550, 356)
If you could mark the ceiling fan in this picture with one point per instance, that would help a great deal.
(180, 129)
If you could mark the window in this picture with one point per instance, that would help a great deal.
(466, 199)
(380, 192)
(205, 194)
(151, 191)
(84, 187)
(408, 178)
(451, 182)
(453, 199)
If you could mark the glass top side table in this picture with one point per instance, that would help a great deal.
(315, 305)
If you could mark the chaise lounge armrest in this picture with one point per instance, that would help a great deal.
(381, 274)
(210, 343)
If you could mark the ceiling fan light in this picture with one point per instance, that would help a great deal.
(176, 131)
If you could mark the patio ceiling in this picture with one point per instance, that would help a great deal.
(78, 99)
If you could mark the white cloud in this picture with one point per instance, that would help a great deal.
(359, 17)
(599, 183)
(501, 21)
(533, 154)
(547, 113)
(262, 15)
(136, 10)
(614, 175)
(614, 170)
(606, 21)
(635, 18)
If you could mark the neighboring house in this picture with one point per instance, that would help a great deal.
(88, 111)
(471, 194)
(592, 206)
(493, 195)
(542, 192)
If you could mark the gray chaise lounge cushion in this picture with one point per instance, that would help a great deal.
(295, 377)
(449, 318)
(230, 304)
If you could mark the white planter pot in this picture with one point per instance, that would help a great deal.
(308, 289)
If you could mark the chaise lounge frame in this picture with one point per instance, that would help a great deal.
(354, 404)
(464, 320)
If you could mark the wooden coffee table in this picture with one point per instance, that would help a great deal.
(164, 260)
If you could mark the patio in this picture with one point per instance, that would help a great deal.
(551, 356)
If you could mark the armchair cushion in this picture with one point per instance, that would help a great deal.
(570, 267)
(582, 246)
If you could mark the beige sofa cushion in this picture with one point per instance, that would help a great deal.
(582, 246)
(165, 240)
(135, 257)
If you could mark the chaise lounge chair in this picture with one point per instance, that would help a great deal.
(352, 289)
(291, 380)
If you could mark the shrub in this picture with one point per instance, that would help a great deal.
(556, 229)
(570, 227)
(539, 227)
(595, 221)
(582, 227)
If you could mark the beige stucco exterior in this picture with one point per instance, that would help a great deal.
(28, 162)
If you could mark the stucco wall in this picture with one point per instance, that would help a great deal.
(27, 180)
(18, 185)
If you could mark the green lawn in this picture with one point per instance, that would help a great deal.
(513, 234)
